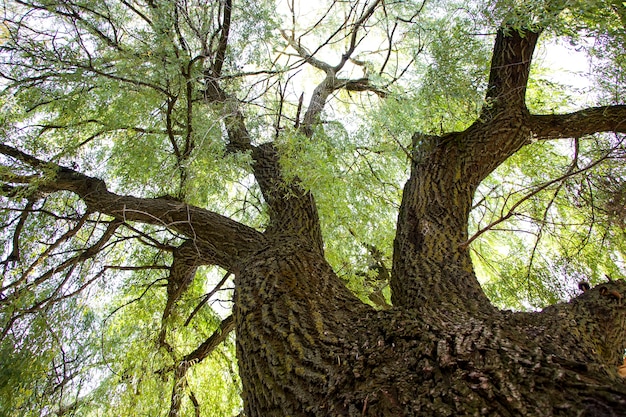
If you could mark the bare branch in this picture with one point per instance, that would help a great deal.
(512, 211)
(331, 83)
(14, 256)
(207, 298)
(226, 326)
(353, 38)
(305, 54)
(300, 101)
(363, 84)
(137, 12)
(46, 253)
(316, 105)
(68, 264)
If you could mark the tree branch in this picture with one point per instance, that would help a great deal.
(223, 241)
(331, 82)
(186, 260)
(583, 122)
(510, 68)
(305, 54)
(46, 254)
(207, 297)
(14, 256)
(353, 42)
(226, 326)
(571, 172)
(292, 209)
(363, 84)
(223, 42)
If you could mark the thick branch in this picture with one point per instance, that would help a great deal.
(593, 321)
(363, 84)
(223, 43)
(324, 89)
(316, 105)
(292, 209)
(510, 68)
(580, 123)
(186, 260)
(224, 241)
(331, 82)
(446, 171)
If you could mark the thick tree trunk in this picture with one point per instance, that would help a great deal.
(297, 322)
(430, 265)
(308, 347)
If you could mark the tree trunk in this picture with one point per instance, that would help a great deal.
(307, 347)
(297, 319)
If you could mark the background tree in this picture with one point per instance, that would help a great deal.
(166, 162)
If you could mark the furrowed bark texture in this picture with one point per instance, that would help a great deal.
(297, 317)
(307, 347)
(431, 264)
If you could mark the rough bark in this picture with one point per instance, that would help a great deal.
(580, 123)
(297, 317)
(221, 240)
(430, 264)
(307, 347)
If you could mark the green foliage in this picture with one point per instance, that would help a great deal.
(452, 88)
(44, 362)
(565, 224)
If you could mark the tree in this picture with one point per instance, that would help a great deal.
(146, 141)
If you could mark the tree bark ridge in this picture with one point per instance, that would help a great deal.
(295, 320)
(308, 348)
